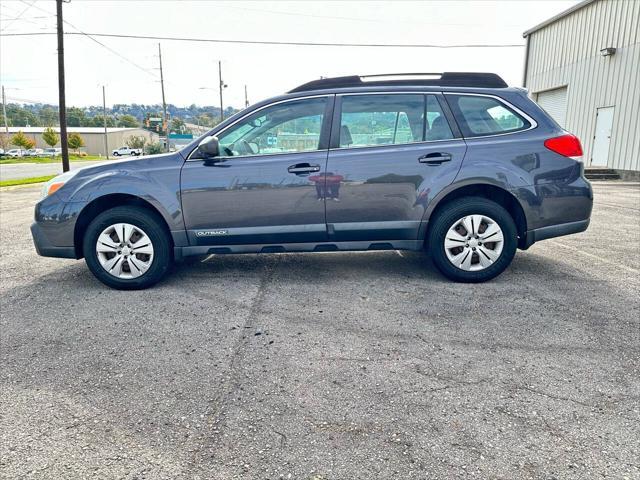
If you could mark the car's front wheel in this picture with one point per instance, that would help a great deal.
(472, 239)
(127, 248)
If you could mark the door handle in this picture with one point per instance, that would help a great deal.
(435, 158)
(302, 168)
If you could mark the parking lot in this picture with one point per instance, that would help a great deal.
(326, 366)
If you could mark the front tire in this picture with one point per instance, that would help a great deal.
(127, 248)
(472, 240)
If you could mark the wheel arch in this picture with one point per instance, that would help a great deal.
(106, 202)
(489, 191)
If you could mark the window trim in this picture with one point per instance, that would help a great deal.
(325, 129)
(532, 123)
(334, 143)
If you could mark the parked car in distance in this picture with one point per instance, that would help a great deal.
(126, 151)
(461, 166)
(51, 152)
(15, 152)
(35, 152)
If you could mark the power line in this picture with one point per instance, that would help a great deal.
(29, 5)
(267, 42)
(90, 37)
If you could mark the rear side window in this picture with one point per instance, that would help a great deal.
(479, 116)
(372, 120)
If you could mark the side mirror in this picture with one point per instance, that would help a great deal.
(209, 148)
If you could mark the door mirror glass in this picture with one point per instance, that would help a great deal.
(209, 147)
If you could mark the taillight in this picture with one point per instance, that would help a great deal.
(566, 145)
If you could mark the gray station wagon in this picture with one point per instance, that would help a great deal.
(458, 164)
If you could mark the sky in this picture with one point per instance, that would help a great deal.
(129, 68)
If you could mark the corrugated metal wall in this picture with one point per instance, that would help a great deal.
(567, 52)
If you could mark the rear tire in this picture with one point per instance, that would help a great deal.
(479, 252)
(128, 248)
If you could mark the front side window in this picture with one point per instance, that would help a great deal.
(479, 116)
(373, 120)
(283, 128)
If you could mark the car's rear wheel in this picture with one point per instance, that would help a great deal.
(127, 248)
(472, 239)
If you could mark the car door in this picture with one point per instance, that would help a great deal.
(262, 187)
(390, 155)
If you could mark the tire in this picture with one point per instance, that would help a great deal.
(472, 261)
(140, 266)
(116, 154)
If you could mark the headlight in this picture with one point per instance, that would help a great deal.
(55, 183)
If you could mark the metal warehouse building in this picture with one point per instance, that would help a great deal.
(583, 67)
(93, 136)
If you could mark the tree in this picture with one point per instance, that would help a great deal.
(50, 137)
(128, 121)
(22, 141)
(98, 121)
(48, 116)
(136, 141)
(154, 148)
(75, 117)
(177, 124)
(19, 116)
(75, 141)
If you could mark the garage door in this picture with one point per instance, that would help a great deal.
(554, 103)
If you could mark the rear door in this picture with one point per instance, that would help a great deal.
(390, 155)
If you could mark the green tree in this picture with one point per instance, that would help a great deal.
(48, 116)
(128, 121)
(136, 141)
(177, 124)
(98, 121)
(19, 116)
(22, 141)
(154, 148)
(76, 117)
(75, 141)
(50, 137)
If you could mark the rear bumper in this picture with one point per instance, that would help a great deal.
(45, 248)
(533, 236)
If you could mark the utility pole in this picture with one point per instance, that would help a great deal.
(246, 99)
(164, 103)
(104, 117)
(62, 104)
(4, 113)
(222, 85)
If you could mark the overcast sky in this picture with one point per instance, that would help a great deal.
(28, 67)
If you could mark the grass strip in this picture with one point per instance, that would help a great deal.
(25, 181)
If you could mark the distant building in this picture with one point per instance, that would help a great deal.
(582, 67)
(93, 137)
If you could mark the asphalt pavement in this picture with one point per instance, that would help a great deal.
(328, 365)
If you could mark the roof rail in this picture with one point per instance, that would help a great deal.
(446, 79)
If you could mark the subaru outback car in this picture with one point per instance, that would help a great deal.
(458, 164)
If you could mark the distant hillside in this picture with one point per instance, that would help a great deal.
(43, 115)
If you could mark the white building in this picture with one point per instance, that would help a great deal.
(583, 67)
(93, 137)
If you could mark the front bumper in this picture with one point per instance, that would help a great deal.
(45, 248)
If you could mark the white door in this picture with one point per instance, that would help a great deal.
(602, 137)
(554, 102)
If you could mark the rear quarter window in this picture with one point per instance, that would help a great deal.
(480, 116)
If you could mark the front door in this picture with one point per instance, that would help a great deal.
(262, 187)
(602, 137)
(391, 154)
